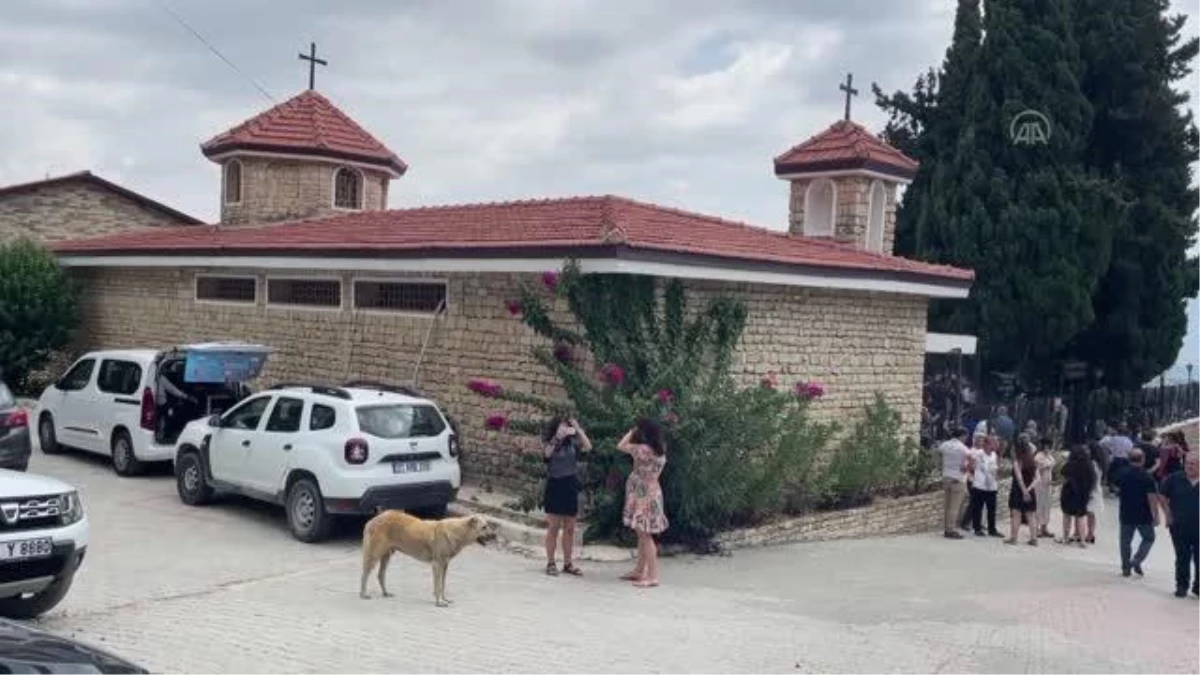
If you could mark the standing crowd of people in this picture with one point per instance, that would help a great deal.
(1153, 478)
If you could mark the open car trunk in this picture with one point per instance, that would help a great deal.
(213, 375)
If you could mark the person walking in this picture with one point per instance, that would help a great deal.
(563, 439)
(1079, 480)
(1171, 455)
(1044, 459)
(1095, 504)
(954, 473)
(1118, 446)
(1180, 503)
(643, 497)
(1059, 417)
(1138, 511)
(984, 485)
(1022, 500)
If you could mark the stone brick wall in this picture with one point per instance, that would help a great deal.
(856, 343)
(282, 189)
(72, 210)
(853, 210)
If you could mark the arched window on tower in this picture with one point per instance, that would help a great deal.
(233, 182)
(820, 201)
(347, 189)
(878, 205)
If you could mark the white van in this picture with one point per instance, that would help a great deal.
(115, 402)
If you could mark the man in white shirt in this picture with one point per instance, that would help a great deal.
(955, 465)
(1117, 444)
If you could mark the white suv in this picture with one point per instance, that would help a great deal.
(323, 451)
(43, 538)
(115, 402)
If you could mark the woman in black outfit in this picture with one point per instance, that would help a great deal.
(1079, 479)
(563, 439)
(1021, 501)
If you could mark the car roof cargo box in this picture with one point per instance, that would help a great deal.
(222, 362)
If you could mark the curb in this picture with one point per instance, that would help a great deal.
(528, 541)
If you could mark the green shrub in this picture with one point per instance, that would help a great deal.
(867, 461)
(735, 454)
(38, 310)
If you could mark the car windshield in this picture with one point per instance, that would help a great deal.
(6, 397)
(400, 421)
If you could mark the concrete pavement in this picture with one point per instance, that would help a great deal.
(224, 588)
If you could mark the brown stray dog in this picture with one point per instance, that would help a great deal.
(430, 541)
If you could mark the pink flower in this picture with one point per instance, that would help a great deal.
(514, 307)
(666, 396)
(770, 380)
(485, 387)
(562, 352)
(550, 280)
(496, 421)
(809, 390)
(613, 373)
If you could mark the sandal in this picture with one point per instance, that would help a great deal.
(645, 583)
(1011, 542)
(570, 568)
(630, 576)
(551, 569)
(1032, 542)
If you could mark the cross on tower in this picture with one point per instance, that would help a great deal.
(850, 91)
(312, 59)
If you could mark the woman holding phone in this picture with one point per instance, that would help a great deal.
(563, 439)
(643, 497)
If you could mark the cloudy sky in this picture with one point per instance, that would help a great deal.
(681, 102)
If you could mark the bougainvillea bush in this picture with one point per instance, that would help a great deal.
(634, 348)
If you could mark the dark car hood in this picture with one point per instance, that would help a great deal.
(26, 650)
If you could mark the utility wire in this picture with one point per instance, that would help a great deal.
(214, 50)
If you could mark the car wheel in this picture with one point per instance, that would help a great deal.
(47, 438)
(125, 463)
(34, 605)
(193, 487)
(306, 514)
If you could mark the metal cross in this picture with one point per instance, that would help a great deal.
(850, 91)
(312, 59)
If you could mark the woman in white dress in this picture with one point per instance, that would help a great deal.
(1044, 458)
(1096, 503)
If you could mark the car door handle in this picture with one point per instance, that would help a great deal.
(246, 443)
(287, 447)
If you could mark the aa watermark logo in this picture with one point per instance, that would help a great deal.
(1029, 127)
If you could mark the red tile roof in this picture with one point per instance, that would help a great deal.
(93, 179)
(845, 145)
(306, 124)
(549, 225)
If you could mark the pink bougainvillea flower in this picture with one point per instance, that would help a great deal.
(770, 380)
(666, 396)
(496, 421)
(815, 390)
(514, 307)
(550, 280)
(485, 387)
(562, 352)
(613, 373)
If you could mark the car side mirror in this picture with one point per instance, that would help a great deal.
(214, 421)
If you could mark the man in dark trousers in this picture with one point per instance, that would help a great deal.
(1138, 512)
(1180, 503)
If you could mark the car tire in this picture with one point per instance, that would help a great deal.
(37, 604)
(190, 480)
(125, 463)
(47, 437)
(306, 514)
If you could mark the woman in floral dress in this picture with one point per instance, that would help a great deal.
(643, 498)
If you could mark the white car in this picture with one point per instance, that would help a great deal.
(43, 538)
(322, 452)
(109, 402)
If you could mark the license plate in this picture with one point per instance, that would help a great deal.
(409, 467)
(28, 548)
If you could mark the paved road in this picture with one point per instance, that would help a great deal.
(225, 589)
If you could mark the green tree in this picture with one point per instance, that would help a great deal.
(735, 454)
(1142, 141)
(38, 310)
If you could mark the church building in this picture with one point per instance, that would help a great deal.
(308, 259)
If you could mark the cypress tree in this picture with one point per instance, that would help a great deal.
(1142, 141)
(1027, 217)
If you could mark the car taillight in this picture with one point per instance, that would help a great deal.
(357, 451)
(16, 418)
(453, 443)
(149, 414)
